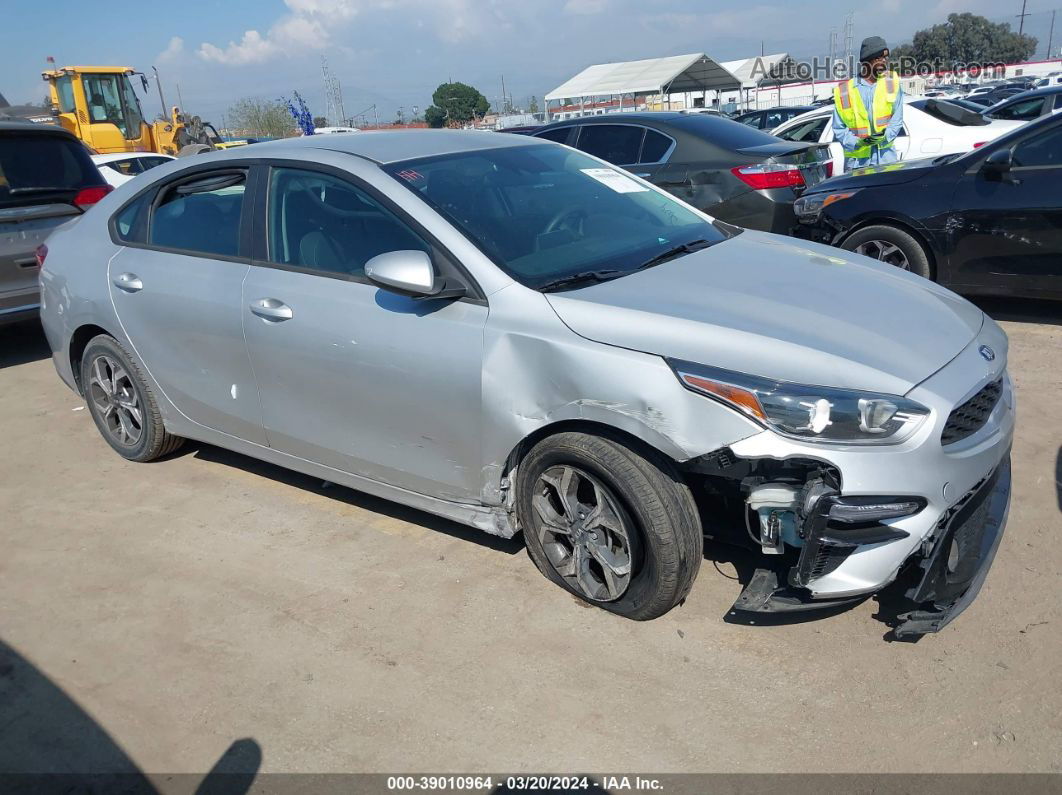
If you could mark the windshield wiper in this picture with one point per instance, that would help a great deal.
(588, 277)
(677, 251)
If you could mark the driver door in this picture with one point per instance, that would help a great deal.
(352, 376)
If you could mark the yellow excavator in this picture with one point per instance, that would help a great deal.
(99, 106)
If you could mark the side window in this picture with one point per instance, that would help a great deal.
(655, 147)
(130, 223)
(1021, 111)
(616, 143)
(128, 167)
(202, 216)
(326, 224)
(151, 162)
(1044, 149)
(810, 131)
(752, 120)
(559, 135)
(774, 118)
(65, 89)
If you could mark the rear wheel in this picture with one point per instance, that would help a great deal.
(121, 402)
(608, 524)
(892, 246)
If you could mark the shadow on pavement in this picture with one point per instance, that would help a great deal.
(206, 452)
(1020, 310)
(21, 343)
(50, 744)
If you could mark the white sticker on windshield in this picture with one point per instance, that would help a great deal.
(620, 183)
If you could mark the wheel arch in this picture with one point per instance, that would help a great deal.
(918, 233)
(79, 340)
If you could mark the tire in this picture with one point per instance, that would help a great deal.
(888, 244)
(660, 533)
(117, 393)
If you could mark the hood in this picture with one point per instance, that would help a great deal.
(781, 308)
(876, 176)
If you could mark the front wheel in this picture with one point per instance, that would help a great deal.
(608, 524)
(892, 246)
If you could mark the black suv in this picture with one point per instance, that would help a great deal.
(46, 178)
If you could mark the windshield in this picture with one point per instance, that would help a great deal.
(544, 212)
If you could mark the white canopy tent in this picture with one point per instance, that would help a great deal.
(664, 76)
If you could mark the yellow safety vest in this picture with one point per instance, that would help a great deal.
(853, 112)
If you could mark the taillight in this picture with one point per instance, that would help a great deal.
(829, 169)
(41, 253)
(769, 175)
(979, 144)
(86, 197)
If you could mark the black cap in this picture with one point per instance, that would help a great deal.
(871, 48)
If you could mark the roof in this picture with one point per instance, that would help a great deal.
(677, 73)
(113, 156)
(396, 145)
(751, 71)
(24, 125)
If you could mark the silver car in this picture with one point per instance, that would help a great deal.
(522, 338)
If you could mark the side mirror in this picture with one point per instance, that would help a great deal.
(409, 273)
(998, 163)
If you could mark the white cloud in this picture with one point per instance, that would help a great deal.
(173, 50)
(585, 6)
(311, 25)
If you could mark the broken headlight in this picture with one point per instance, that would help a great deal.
(809, 413)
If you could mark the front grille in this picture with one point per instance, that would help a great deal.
(970, 417)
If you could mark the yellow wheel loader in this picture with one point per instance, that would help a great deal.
(99, 106)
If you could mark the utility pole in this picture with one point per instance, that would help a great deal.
(180, 99)
(1051, 36)
(1021, 16)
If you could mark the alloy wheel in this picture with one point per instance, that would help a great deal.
(884, 251)
(115, 400)
(587, 538)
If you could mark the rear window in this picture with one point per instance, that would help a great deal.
(37, 169)
(724, 133)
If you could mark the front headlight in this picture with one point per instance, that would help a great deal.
(809, 413)
(811, 205)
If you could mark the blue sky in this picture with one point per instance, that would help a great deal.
(395, 52)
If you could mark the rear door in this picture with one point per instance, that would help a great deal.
(1006, 234)
(177, 287)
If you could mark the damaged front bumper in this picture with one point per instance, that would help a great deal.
(947, 576)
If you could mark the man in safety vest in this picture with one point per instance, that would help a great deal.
(868, 110)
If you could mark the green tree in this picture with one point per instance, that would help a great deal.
(261, 117)
(967, 39)
(533, 106)
(455, 103)
(320, 121)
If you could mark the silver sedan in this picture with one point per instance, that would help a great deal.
(523, 338)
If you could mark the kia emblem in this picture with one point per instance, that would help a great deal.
(987, 353)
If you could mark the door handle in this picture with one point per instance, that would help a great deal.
(129, 282)
(271, 309)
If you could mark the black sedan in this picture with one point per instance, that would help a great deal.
(1028, 105)
(734, 172)
(772, 117)
(988, 221)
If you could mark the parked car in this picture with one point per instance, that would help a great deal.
(989, 221)
(121, 167)
(930, 127)
(1028, 105)
(46, 179)
(1053, 79)
(771, 117)
(739, 174)
(520, 337)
